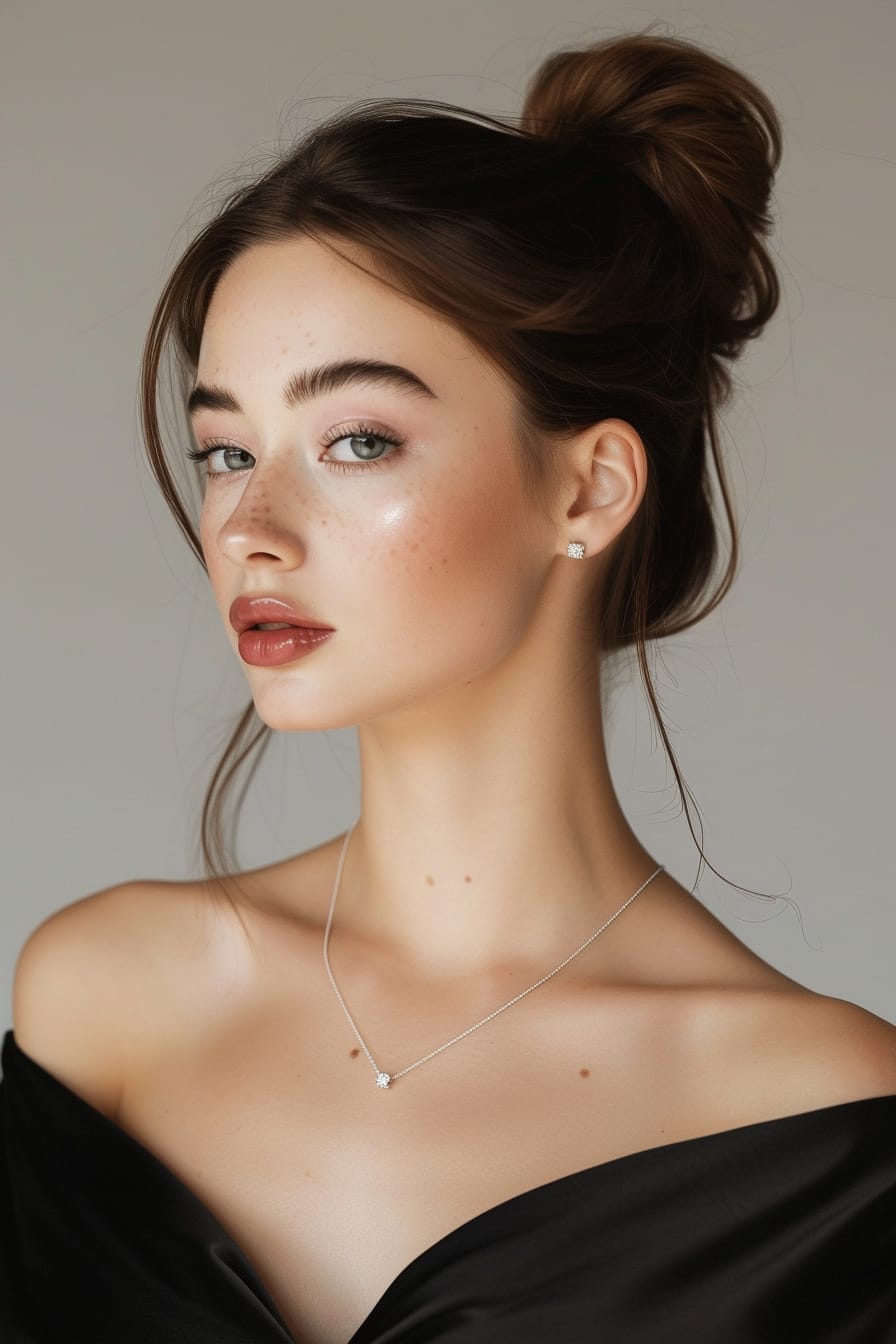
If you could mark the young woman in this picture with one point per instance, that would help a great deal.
(479, 1069)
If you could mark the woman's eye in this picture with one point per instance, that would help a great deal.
(205, 454)
(364, 446)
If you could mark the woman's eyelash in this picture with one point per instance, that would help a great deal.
(359, 431)
(200, 455)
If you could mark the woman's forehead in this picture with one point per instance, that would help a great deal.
(294, 300)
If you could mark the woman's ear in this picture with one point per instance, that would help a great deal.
(606, 477)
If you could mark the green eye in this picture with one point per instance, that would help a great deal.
(201, 454)
(366, 438)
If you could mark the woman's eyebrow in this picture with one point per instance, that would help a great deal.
(307, 383)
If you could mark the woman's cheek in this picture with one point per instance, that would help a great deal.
(451, 576)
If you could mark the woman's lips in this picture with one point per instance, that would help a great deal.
(269, 648)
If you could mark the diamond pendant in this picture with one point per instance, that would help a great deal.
(383, 1079)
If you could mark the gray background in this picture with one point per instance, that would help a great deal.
(121, 122)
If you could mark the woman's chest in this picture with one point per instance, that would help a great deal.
(332, 1186)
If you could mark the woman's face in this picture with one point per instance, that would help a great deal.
(427, 559)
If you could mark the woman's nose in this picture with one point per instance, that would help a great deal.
(265, 526)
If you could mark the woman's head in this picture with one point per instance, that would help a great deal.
(389, 506)
(594, 264)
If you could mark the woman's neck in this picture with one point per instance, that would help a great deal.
(497, 839)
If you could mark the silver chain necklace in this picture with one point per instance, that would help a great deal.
(384, 1079)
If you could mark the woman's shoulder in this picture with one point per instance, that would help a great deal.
(110, 977)
(785, 1050)
(102, 978)
(733, 1016)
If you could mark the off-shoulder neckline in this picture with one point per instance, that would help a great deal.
(479, 1222)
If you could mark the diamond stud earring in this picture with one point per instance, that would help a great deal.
(576, 549)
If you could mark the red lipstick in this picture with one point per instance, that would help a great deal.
(298, 634)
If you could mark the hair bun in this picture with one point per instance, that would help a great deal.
(700, 134)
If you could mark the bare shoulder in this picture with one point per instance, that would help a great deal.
(96, 979)
(781, 1051)
(842, 1047)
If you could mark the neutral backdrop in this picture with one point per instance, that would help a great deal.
(121, 123)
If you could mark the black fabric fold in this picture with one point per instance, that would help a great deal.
(778, 1232)
(106, 1243)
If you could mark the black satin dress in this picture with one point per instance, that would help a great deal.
(778, 1232)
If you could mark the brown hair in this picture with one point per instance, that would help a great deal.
(605, 250)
